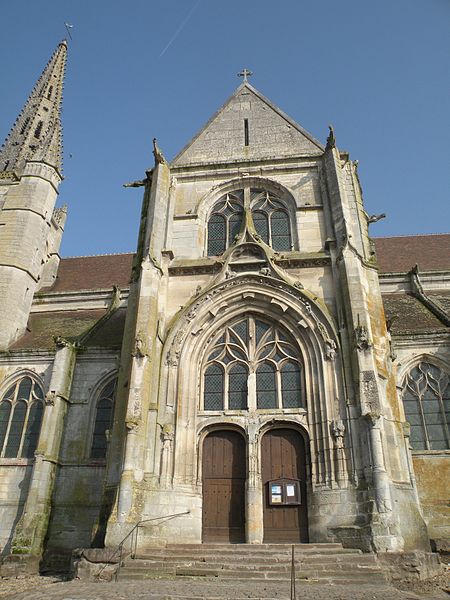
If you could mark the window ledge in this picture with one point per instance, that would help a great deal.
(430, 453)
(16, 462)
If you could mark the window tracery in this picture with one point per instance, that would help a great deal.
(271, 220)
(21, 410)
(225, 222)
(426, 400)
(252, 349)
(103, 420)
(270, 215)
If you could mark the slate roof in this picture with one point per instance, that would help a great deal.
(411, 316)
(70, 324)
(399, 254)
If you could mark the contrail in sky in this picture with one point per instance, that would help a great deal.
(178, 31)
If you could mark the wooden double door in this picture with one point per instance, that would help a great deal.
(224, 477)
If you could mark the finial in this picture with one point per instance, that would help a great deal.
(245, 73)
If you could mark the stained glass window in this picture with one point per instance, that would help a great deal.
(214, 388)
(271, 220)
(225, 222)
(103, 420)
(249, 346)
(21, 411)
(266, 386)
(426, 400)
(237, 387)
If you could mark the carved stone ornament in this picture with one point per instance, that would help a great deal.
(173, 355)
(50, 398)
(61, 342)
(369, 391)
(362, 338)
(330, 349)
(338, 431)
(140, 349)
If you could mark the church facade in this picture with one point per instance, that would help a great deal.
(259, 370)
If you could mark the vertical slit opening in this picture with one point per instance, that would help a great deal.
(245, 132)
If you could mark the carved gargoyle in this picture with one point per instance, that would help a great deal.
(331, 139)
(159, 156)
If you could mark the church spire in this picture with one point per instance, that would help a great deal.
(37, 135)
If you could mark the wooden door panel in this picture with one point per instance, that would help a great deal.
(283, 456)
(224, 487)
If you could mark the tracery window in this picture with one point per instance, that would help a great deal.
(252, 364)
(271, 220)
(21, 410)
(426, 400)
(270, 215)
(103, 420)
(225, 222)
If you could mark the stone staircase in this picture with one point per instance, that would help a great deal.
(325, 563)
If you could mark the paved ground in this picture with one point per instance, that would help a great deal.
(48, 588)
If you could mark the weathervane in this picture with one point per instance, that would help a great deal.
(245, 73)
(68, 27)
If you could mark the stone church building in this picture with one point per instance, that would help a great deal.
(259, 370)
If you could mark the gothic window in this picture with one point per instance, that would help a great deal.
(251, 348)
(21, 410)
(225, 222)
(271, 220)
(103, 420)
(426, 400)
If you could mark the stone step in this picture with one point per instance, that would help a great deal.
(311, 562)
(330, 575)
(245, 547)
(244, 553)
(268, 562)
(257, 559)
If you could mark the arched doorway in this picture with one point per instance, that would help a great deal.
(224, 475)
(283, 464)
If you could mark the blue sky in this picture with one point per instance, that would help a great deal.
(378, 71)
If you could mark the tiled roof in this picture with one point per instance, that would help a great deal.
(400, 254)
(395, 255)
(93, 273)
(411, 316)
(42, 327)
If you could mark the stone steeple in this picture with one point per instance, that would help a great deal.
(37, 134)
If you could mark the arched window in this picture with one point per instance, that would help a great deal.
(426, 400)
(271, 220)
(21, 410)
(225, 222)
(252, 347)
(103, 420)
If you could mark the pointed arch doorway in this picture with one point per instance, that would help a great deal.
(283, 465)
(224, 476)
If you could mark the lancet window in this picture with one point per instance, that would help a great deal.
(271, 220)
(21, 410)
(426, 400)
(103, 420)
(253, 364)
(225, 222)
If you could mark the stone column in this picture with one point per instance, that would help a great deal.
(254, 496)
(30, 531)
(380, 477)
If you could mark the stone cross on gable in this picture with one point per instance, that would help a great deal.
(245, 73)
